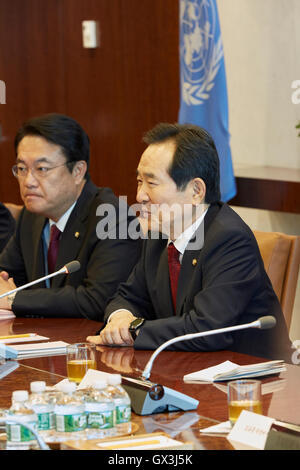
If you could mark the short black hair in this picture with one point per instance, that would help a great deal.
(195, 156)
(60, 130)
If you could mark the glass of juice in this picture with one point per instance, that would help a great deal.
(80, 358)
(243, 395)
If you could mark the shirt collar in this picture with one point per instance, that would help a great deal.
(62, 222)
(183, 240)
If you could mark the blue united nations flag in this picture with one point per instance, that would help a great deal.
(203, 91)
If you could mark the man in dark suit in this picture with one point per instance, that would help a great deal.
(221, 280)
(59, 224)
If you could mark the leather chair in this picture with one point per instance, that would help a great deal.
(281, 257)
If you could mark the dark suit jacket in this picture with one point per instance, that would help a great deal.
(7, 226)
(226, 286)
(104, 263)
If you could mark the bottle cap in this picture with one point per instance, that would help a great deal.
(20, 395)
(38, 386)
(114, 379)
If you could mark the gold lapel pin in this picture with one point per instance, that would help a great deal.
(194, 262)
(76, 234)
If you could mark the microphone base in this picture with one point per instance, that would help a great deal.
(149, 398)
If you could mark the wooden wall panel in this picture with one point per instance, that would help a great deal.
(126, 85)
(116, 92)
(268, 194)
(31, 64)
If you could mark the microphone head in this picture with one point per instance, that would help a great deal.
(267, 322)
(72, 266)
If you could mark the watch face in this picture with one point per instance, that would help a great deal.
(136, 323)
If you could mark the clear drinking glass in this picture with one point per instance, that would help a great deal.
(80, 358)
(243, 395)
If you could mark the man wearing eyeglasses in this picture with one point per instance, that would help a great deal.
(58, 225)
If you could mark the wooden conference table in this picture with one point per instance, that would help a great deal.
(282, 402)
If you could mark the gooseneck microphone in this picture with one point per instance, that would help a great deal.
(262, 323)
(69, 268)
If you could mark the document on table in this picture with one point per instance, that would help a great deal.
(230, 371)
(52, 348)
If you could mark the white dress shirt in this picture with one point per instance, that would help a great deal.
(183, 240)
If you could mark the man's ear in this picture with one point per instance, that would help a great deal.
(199, 191)
(79, 171)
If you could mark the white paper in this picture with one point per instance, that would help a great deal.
(57, 386)
(41, 349)
(230, 371)
(220, 428)
(250, 431)
(207, 375)
(91, 377)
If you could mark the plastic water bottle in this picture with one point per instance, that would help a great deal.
(122, 403)
(18, 436)
(69, 412)
(99, 408)
(43, 406)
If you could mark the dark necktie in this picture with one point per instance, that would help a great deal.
(174, 269)
(53, 248)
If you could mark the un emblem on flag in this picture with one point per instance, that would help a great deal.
(201, 49)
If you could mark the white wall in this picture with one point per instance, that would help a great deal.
(261, 41)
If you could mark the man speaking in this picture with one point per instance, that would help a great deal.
(58, 225)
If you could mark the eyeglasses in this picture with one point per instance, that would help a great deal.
(21, 171)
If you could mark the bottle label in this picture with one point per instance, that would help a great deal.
(100, 420)
(46, 421)
(123, 414)
(18, 433)
(71, 423)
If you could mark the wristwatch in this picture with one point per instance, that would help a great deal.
(134, 326)
(10, 299)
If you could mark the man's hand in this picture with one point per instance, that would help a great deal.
(4, 275)
(6, 284)
(116, 331)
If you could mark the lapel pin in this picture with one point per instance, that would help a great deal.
(77, 234)
(194, 262)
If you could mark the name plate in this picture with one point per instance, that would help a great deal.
(250, 431)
